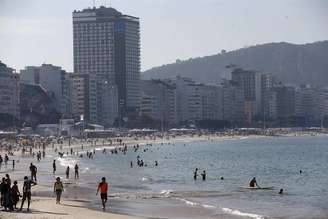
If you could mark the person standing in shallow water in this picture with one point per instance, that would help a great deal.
(103, 188)
(54, 167)
(58, 189)
(195, 174)
(76, 168)
(67, 172)
(204, 175)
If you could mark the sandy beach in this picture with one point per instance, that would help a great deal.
(75, 199)
(42, 208)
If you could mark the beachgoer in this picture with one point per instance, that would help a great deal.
(195, 174)
(54, 167)
(2, 190)
(58, 189)
(281, 191)
(76, 168)
(33, 170)
(15, 194)
(67, 172)
(103, 188)
(27, 192)
(253, 183)
(204, 175)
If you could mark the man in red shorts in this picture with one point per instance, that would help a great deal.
(103, 187)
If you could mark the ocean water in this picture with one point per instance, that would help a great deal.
(274, 161)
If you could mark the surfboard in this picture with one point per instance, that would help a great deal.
(256, 188)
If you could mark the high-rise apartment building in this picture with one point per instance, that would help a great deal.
(233, 101)
(250, 83)
(285, 101)
(159, 101)
(9, 91)
(51, 78)
(107, 45)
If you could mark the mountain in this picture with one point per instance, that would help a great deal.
(290, 63)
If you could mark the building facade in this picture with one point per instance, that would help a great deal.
(159, 101)
(53, 79)
(9, 91)
(250, 83)
(107, 45)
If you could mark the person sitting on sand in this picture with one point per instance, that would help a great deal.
(253, 183)
(58, 189)
(103, 187)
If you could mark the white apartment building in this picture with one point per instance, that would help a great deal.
(51, 78)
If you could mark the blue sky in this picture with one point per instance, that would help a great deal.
(33, 32)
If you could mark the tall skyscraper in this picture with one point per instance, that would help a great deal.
(107, 45)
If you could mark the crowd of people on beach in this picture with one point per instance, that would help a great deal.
(10, 194)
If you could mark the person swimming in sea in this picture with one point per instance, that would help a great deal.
(253, 183)
(281, 191)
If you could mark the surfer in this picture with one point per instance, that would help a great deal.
(253, 183)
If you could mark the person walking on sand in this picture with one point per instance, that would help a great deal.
(15, 194)
(103, 188)
(33, 170)
(58, 189)
(27, 192)
(76, 169)
(67, 172)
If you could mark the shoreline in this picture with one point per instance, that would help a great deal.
(44, 206)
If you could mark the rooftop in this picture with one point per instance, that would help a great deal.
(101, 12)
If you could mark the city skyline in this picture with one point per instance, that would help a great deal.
(28, 26)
